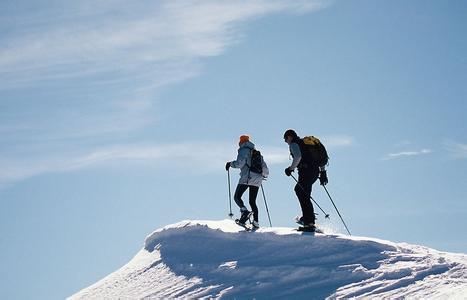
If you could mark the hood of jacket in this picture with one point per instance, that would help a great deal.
(248, 145)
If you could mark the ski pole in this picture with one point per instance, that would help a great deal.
(230, 194)
(325, 214)
(266, 204)
(337, 210)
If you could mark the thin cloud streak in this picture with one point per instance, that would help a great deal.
(16, 169)
(177, 155)
(457, 150)
(338, 141)
(407, 154)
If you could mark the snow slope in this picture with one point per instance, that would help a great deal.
(216, 259)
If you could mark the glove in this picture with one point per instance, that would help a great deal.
(323, 178)
(227, 165)
(288, 171)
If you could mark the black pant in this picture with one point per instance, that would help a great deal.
(241, 188)
(306, 178)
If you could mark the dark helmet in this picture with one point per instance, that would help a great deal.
(291, 133)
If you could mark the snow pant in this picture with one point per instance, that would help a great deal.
(306, 178)
(241, 188)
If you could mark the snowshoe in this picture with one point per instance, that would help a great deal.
(311, 229)
(299, 221)
(307, 228)
(247, 228)
(245, 216)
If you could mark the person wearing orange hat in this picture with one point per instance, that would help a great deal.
(253, 169)
(243, 139)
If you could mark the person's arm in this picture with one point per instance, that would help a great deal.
(323, 176)
(296, 154)
(241, 159)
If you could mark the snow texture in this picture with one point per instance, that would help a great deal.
(218, 259)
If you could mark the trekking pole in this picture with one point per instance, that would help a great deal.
(266, 204)
(337, 210)
(230, 194)
(325, 214)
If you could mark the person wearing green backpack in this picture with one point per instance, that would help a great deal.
(309, 157)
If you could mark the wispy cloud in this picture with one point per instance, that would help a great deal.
(407, 154)
(92, 55)
(457, 150)
(175, 155)
(185, 155)
(151, 42)
(87, 73)
(334, 141)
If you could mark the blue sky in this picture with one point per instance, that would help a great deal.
(117, 119)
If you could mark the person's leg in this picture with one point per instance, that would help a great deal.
(241, 188)
(306, 180)
(313, 177)
(303, 191)
(253, 195)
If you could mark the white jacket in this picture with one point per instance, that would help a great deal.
(243, 162)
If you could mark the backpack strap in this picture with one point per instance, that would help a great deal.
(249, 167)
(297, 140)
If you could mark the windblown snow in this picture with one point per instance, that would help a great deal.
(217, 259)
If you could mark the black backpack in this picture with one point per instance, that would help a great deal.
(256, 165)
(313, 151)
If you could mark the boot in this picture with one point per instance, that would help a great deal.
(255, 225)
(245, 215)
(300, 221)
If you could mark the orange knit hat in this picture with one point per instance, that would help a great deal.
(244, 138)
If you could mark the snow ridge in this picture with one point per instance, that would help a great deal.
(217, 259)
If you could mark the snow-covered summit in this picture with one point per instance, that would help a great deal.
(216, 259)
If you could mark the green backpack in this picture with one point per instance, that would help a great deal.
(313, 151)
